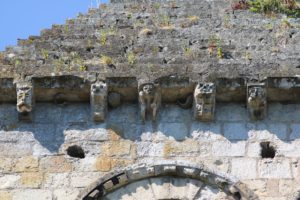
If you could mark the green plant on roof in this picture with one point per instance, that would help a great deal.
(18, 62)
(288, 7)
(45, 54)
(103, 37)
(106, 60)
(131, 58)
(156, 6)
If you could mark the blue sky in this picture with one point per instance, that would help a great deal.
(21, 18)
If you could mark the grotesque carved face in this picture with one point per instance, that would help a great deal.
(98, 87)
(24, 98)
(256, 93)
(148, 88)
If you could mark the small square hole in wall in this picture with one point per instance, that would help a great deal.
(267, 150)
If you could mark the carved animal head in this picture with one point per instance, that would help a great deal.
(24, 98)
(256, 94)
(206, 87)
(148, 88)
(98, 87)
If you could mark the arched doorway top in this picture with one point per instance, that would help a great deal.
(181, 169)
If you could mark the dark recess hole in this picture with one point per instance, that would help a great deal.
(237, 196)
(75, 151)
(267, 151)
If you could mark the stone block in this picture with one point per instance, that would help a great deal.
(206, 131)
(258, 186)
(231, 112)
(16, 149)
(254, 150)
(57, 164)
(174, 114)
(295, 131)
(117, 148)
(9, 181)
(26, 164)
(32, 179)
(103, 164)
(244, 168)
(225, 148)
(278, 129)
(5, 195)
(185, 148)
(66, 194)
(177, 131)
(34, 194)
(237, 131)
(5, 164)
(275, 168)
(149, 149)
(57, 180)
(82, 180)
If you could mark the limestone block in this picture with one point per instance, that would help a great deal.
(66, 194)
(288, 186)
(32, 179)
(5, 195)
(185, 148)
(258, 186)
(26, 164)
(117, 148)
(34, 194)
(204, 101)
(84, 179)
(225, 148)
(231, 112)
(5, 164)
(93, 134)
(55, 164)
(278, 129)
(275, 168)
(149, 149)
(140, 187)
(103, 164)
(57, 180)
(9, 181)
(244, 168)
(16, 149)
(272, 188)
(177, 131)
(295, 134)
(174, 114)
(254, 150)
(206, 131)
(237, 131)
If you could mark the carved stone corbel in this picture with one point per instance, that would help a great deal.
(25, 99)
(256, 101)
(149, 99)
(204, 101)
(98, 100)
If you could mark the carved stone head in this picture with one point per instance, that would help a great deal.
(148, 88)
(255, 93)
(98, 87)
(24, 97)
(99, 100)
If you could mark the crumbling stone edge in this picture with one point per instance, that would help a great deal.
(121, 177)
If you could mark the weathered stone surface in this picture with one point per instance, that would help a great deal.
(279, 168)
(36, 194)
(9, 181)
(244, 168)
(56, 164)
(26, 164)
(65, 194)
(32, 179)
(225, 148)
(4, 195)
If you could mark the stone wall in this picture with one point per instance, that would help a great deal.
(35, 163)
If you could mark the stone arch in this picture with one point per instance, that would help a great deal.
(167, 180)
